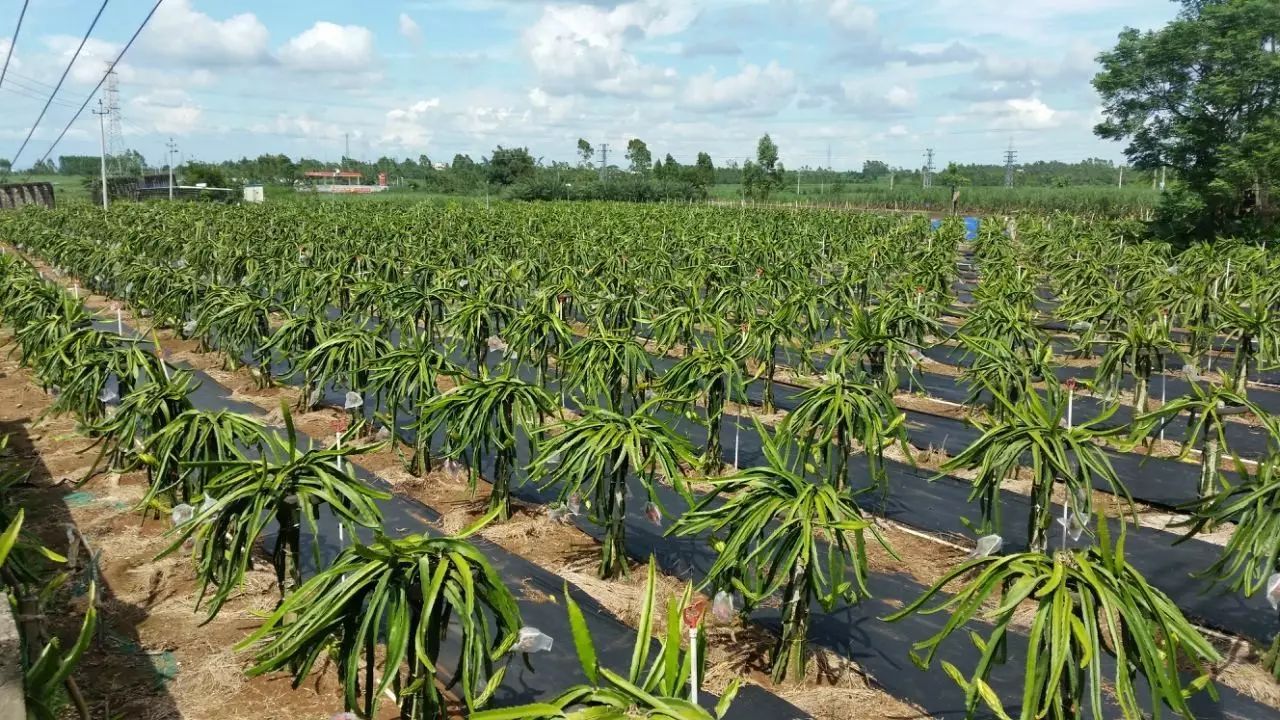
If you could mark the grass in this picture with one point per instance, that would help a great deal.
(1108, 201)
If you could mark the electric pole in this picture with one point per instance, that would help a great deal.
(172, 147)
(928, 168)
(346, 139)
(604, 161)
(1010, 157)
(102, 113)
(823, 186)
(1121, 183)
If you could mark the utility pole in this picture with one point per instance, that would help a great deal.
(604, 161)
(823, 186)
(102, 113)
(1010, 157)
(1162, 176)
(346, 139)
(1121, 183)
(172, 147)
(928, 168)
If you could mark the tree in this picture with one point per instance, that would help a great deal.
(704, 171)
(207, 173)
(639, 155)
(508, 165)
(585, 152)
(1200, 96)
(764, 176)
(6, 166)
(953, 180)
(873, 170)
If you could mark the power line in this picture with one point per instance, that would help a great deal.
(65, 72)
(85, 104)
(13, 42)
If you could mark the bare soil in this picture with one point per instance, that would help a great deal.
(152, 658)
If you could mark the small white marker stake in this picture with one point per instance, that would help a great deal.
(737, 430)
(337, 443)
(75, 290)
(119, 322)
(693, 665)
(1164, 383)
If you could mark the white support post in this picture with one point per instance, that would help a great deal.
(693, 665)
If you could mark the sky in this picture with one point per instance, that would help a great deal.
(834, 82)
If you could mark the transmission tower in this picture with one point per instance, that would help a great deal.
(604, 161)
(115, 135)
(1010, 158)
(928, 168)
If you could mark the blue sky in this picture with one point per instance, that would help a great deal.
(858, 79)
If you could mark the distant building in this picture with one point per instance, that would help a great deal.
(341, 181)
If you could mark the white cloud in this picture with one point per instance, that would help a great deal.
(583, 48)
(1012, 114)
(1075, 65)
(180, 32)
(852, 16)
(90, 64)
(304, 126)
(164, 111)
(753, 91)
(329, 47)
(898, 131)
(1032, 114)
(406, 127)
(876, 96)
(409, 28)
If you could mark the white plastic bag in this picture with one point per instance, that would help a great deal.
(353, 401)
(182, 514)
(654, 515)
(987, 546)
(1071, 521)
(722, 607)
(1273, 591)
(532, 640)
